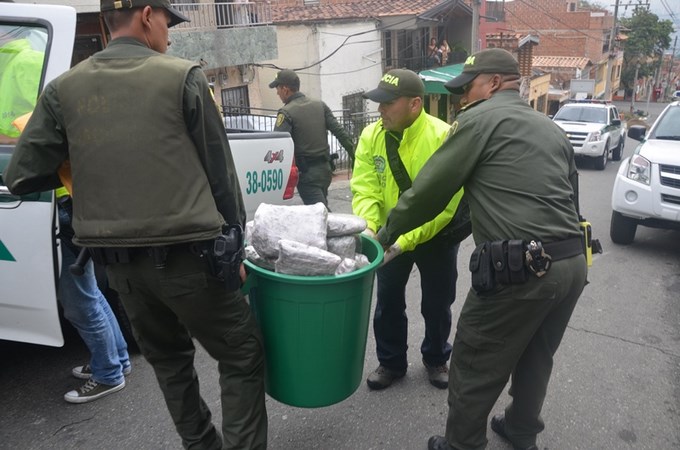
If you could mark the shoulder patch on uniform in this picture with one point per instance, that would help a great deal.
(279, 119)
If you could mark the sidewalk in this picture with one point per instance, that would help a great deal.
(340, 179)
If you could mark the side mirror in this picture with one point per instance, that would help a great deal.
(637, 132)
(616, 122)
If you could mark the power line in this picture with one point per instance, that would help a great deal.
(559, 40)
(342, 73)
(668, 10)
(377, 29)
(558, 20)
(344, 42)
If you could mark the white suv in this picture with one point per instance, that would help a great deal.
(647, 186)
(594, 129)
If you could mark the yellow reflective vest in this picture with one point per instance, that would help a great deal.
(375, 191)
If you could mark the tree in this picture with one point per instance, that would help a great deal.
(648, 38)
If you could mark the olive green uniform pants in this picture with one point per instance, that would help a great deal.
(314, 182)
(512, 330)
(167, 307)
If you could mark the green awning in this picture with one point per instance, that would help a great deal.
(434, 79)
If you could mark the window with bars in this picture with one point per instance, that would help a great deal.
(353, 112)
(387, 46)
(496, 9)
(235, 101)
(184, 5)
(540, 103)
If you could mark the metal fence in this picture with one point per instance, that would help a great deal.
(223, 15)
(258, 119)
(418, 63)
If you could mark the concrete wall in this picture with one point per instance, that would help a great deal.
(601, 79)
(225, 47)
(539, 89)
(356, 66)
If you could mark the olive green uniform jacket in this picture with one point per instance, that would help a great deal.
(519, 175)
(159, 172)
(307, 120)
(520, 185)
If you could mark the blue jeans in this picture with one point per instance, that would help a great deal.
(436, 262)
(88, 311)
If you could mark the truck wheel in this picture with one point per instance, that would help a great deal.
(618, 151)
(601, 161)
(622, 229)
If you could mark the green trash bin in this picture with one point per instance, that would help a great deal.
(314, 330)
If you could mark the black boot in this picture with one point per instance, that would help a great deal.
(439, 443)
(498, 426)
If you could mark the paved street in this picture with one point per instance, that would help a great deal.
(615, 385)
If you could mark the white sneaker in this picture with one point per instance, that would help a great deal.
(92, 391)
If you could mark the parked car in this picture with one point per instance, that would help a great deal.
(594, 129)
(675, 96)
(647, 186)
(29, 249)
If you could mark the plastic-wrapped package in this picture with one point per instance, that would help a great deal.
(296, 258)
(248, 234)
(255, 258)
(343, 246)
(305, 224)
(344, 224)
(362, 260)
(346, 266)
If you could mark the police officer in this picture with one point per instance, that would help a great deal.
(20, 70)
(519, 173)
(390, 152)
(153, 184)
(308, 122)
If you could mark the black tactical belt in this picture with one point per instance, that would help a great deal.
(123, 255)
(312, 159)
(564, 249)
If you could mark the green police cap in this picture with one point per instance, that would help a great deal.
(286, 77)
(397, 83)
(176, 17)
(492, 60)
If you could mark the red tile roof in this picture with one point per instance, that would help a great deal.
(282, 13)
(573, 62)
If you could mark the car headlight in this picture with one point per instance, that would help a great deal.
(594, 136)
(639, 169)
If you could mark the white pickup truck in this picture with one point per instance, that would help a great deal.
(29, 249)
(647, 186)
(594, 129)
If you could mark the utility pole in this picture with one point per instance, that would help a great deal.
(474, 42)
(670, 70)
(650, 88)
(632, 97)
(612, 56)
